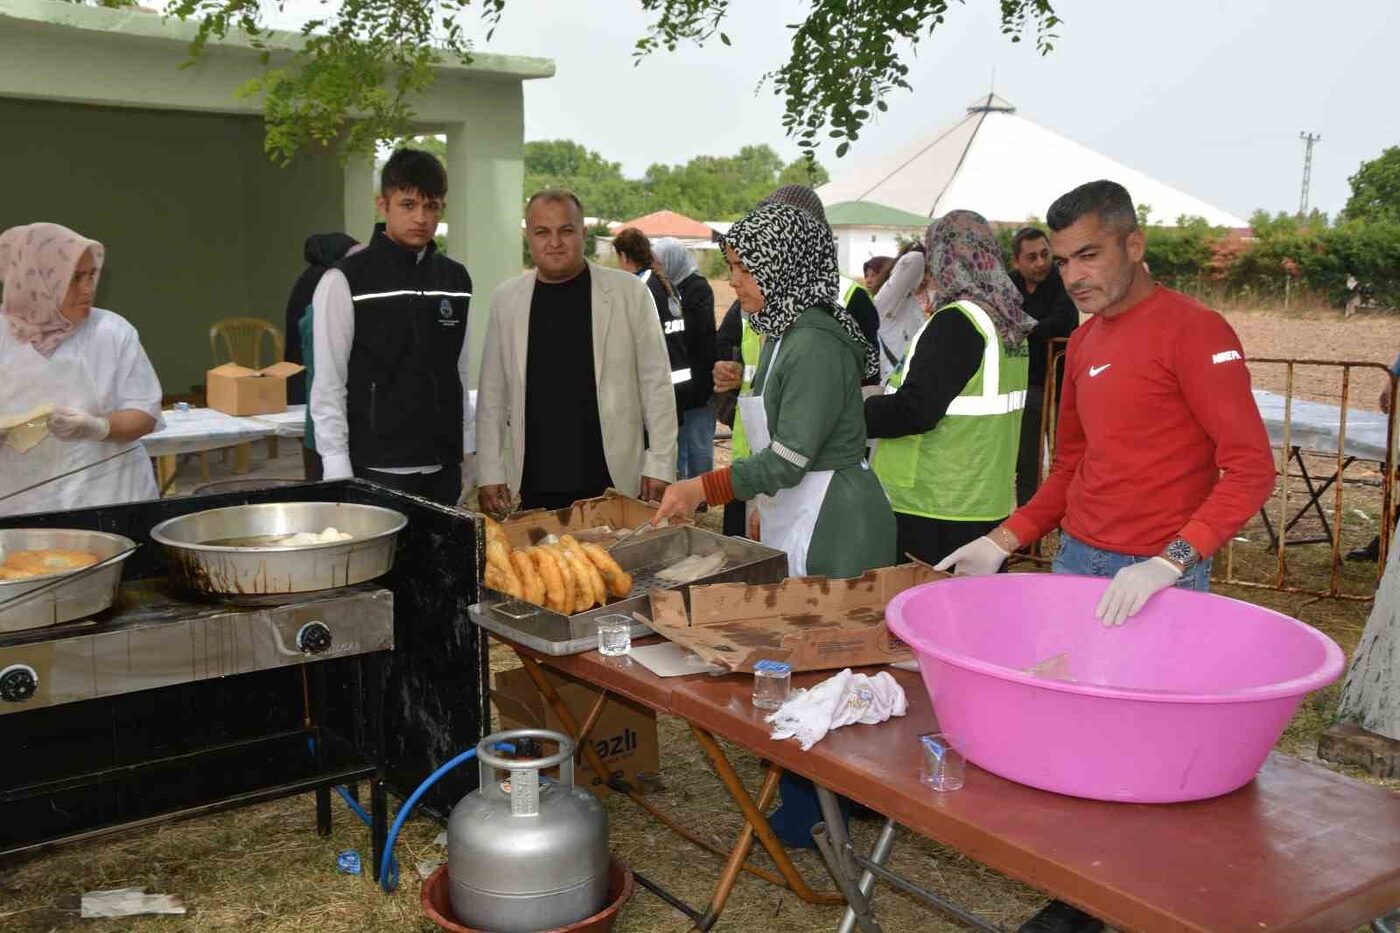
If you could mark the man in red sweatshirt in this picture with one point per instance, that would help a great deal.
(1160, 456)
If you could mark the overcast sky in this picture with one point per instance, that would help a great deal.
(1209, 97)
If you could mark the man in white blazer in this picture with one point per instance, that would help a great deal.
(575, 392)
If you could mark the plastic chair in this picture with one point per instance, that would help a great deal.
(242, 341)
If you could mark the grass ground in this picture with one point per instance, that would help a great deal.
(264, 869)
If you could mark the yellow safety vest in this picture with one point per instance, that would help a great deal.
(965, 468)
(750, 346)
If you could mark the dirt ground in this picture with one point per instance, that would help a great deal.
(264, 869)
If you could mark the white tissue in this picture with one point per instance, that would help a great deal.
(838, 701)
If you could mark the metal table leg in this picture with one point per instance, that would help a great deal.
(879, 854)
(843, 862)
(323, 811)
(378, 821)
(835, 847)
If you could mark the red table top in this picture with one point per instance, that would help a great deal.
(1299, 848)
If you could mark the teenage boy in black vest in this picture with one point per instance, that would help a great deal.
(389, 396)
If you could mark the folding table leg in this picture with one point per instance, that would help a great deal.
(1314, 494)
(595, 762)
(740, 853)
(759, 822)
(835, 847)
(879, 854)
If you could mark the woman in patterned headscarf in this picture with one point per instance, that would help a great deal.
(75, 373)
(820, 503)
(817, 499)
(950, 418)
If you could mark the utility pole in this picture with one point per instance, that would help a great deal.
(1308, 139)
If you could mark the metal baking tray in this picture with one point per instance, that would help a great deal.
(644, 556)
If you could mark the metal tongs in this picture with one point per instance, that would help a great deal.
(629, 533)
(85, 466)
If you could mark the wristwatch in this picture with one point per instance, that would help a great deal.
(1181, 553)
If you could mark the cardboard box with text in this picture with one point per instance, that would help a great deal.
(624, 736)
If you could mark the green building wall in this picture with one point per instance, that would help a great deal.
(197, 224)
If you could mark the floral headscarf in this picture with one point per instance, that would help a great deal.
(793, 258)
(965, 262)
(37, 262)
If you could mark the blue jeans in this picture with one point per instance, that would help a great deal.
(695, 443)
(1074, 556)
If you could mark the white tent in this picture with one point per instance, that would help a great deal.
(1005, 168)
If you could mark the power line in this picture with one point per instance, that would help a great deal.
(1308, 139)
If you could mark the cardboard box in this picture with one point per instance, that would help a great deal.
(238, 390)
(624, 736)
(811, 623)
(585, 520)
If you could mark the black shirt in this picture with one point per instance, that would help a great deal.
(698, 309)
(322, 250)
(867, 318)
(563, 434)
(1054, 309)
(730, 333)
(947, 355)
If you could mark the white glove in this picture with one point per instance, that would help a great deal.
(69, 424)
(976, 559)
(1133, 586)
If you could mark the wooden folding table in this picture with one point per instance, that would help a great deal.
(1300, 848)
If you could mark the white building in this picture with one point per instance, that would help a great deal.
(984, 163)
(864, 229)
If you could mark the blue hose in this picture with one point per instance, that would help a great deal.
(359, 811)
(407, 808)
(388, 877)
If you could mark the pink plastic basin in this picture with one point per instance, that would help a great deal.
(1182, 702)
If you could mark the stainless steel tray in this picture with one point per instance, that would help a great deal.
(554, 633)
(85, 596)
(200, 558)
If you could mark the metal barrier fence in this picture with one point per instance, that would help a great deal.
(1295, 449)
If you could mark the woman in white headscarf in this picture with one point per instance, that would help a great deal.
(696, 439)
(79, 391)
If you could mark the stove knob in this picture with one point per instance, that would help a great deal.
(18, 682)
(314, 638)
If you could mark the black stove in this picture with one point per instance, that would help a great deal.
(174, 704)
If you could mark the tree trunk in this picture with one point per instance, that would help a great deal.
(1371, 691)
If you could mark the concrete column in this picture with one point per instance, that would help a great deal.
(485, 175)
(358, 197)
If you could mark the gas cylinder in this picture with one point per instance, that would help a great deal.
(526, 854)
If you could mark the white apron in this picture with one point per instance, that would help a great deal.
(63, 381)
(788, 518)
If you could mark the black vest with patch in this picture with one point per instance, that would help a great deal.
(403, 392)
